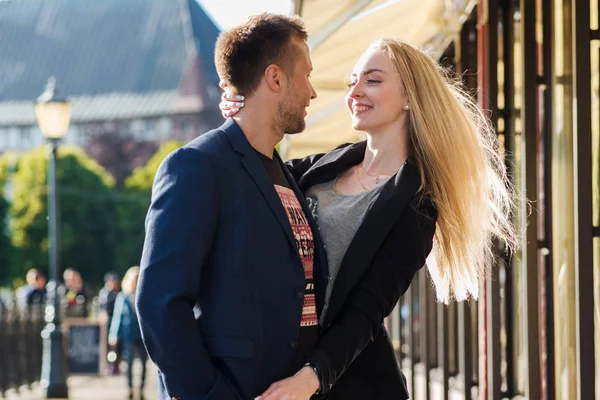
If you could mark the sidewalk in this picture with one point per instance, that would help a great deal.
(98, 388)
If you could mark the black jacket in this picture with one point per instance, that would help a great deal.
(355, 357)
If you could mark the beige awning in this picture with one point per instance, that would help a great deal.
(339, 31)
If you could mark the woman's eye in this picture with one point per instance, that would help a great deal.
(373, 81)
(349, 85)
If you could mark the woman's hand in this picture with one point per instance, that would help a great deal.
(231, 103)
(299, 387)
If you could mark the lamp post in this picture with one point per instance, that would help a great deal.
(53, 115)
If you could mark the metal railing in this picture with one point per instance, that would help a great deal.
(20, 346)
(436, 345)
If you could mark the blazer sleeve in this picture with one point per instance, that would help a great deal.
(180, 227)
(403, 253)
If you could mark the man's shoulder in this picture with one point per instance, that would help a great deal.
(206, 148)
(211, 141)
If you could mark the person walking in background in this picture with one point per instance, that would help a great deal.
(34, 291)
(36, 296)
(125, 329)
(73, 294)
(107, 297)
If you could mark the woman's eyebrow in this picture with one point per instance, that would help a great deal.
(369, 71)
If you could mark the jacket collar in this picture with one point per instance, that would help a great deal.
(252, 163)
(255, 169)
(379, 219)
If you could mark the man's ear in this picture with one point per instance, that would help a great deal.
(274, 77)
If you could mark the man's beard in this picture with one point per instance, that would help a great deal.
(290, 115)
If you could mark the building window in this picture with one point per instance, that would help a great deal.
(136, 128)
(26, 138)
(3, 139)
(150, 133)
(187, 128)
(163, 128)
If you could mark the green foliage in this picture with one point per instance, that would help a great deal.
(87, 213)
(133, 205)
(6, 250)
(5, 245)
(142, 177)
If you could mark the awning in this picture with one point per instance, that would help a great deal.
(340, 31)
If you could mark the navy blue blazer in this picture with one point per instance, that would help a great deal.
(221, 288)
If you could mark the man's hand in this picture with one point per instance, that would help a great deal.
(299, 387)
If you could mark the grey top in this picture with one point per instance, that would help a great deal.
(338, 217)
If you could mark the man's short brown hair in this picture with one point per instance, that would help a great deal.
(244, 52)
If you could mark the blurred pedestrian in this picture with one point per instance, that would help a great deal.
(107, 297)
(34, 291)
(36, 296)
(74, 295)
(125, 329)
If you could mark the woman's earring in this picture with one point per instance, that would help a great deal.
(406, 107)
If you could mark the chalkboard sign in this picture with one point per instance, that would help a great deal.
(86, 346)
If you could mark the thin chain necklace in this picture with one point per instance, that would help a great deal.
(375, 176)
(360, 181)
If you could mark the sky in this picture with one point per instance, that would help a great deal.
(227, 13)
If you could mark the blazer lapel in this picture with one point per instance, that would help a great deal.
(378, 221)
(332, 164)
(320, 270)
(252, 163)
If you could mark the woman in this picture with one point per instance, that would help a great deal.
(427, 177)
(125, 329)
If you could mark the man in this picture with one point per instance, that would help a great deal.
(74, 295)
(37, 293)
(107, 297)
(34, 292)
(108, 294)
(220, 234)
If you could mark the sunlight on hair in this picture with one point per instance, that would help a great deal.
(455, 148)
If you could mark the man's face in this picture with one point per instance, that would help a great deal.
(40, 282)
(298, 92)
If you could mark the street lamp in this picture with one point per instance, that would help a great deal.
(53, 115)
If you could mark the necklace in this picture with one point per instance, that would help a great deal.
(360, 182)
(375, 176)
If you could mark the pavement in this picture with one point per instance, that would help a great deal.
(97, 388)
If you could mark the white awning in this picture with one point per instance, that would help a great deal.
(340, 31)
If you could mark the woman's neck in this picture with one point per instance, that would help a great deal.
(386, 152)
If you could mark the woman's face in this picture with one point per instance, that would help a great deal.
(375, 98)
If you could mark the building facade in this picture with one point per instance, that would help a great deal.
(141, 68)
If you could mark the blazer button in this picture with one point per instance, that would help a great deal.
(300, 294)
(293, 344)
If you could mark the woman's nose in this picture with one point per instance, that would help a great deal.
(355, 91)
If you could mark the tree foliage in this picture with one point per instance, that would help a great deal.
(133, 206)
(119, 153)
(5, 245)
(87, 213)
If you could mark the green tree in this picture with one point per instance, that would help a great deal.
(5, 245)
(133, 204)
(87, 213)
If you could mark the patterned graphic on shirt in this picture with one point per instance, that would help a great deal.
(306, 249)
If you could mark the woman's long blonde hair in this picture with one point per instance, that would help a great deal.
(456, 151)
